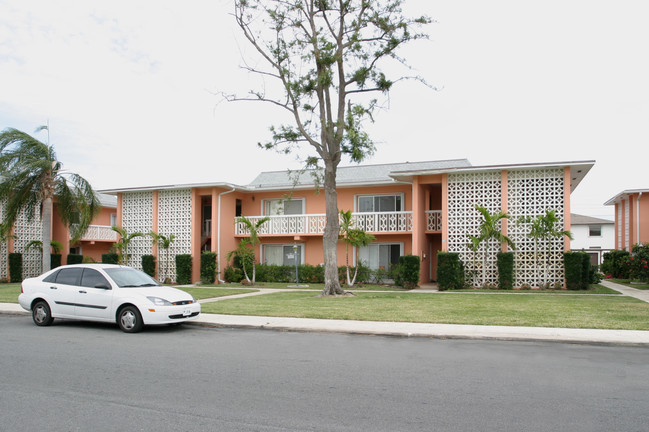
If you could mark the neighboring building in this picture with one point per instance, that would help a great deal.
(592, 235)
(97, 240)
(631, 218)
(415, 208)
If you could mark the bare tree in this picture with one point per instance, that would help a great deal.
(327, 57)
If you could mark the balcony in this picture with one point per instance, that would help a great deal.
(99, 233)
(375, 223)
(434, 220)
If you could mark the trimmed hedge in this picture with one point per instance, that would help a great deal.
(505, 261)
(450, 271)
(184, 269)
(110, 258)
(15, 267)
(148, 265)
(577, 268)
(407, 272)
(55, 261)
(286, 274)
(208, 267)
(75, 259)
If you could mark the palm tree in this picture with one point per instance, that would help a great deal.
(165, 243)
(32, 177)
(490, 230)
(353, 237)
(246, 256)
(253, 228)
(122, 244)
(545, 228)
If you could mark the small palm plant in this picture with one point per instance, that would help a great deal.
(164, 242)
(122, 243)
(253, 228)
(353, 237)
(56, 247)
(490, 229)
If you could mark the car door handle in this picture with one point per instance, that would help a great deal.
(52, 287)
(82, 292)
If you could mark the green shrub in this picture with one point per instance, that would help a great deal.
(505, 261)
(208, 267)
(573, 264)
(639, 263)
(407, 272)
(109, 258)
(617, 264)
(148, 265)
(184, 269)
(75, 259)
(585, 270)
(450, 271)
(15, 267)
(233, 274)
(55, 260)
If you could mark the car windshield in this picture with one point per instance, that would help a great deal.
(130, 278)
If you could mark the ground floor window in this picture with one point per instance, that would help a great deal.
(380, 255)
(283, 254)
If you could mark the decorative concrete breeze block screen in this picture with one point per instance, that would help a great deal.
(532, 193)
(174, 217)
(27, 230)
(529, 193)
(465, 191)
(137, 216)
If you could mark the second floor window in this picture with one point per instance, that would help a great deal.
(380, 203)
(594, 230)
(278, 207)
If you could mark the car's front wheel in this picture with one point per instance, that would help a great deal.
(41, 314)
(129, 319)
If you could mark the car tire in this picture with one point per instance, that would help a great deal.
(41, 314)
(129, 319)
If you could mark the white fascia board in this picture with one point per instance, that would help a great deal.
(179, 186)
(625, 193)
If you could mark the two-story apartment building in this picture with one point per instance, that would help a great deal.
(416, 208)
(631, 218)
(595, 236)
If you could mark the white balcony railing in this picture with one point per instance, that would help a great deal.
(100, 232)
(433, 220)
(381, 222)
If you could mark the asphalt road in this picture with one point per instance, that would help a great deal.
(89, 377)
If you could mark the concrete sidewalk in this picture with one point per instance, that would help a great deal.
(401, 329)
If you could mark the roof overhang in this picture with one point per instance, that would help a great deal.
(178, 186)
(578, 170)
(625, 194)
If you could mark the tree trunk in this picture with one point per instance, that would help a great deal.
(46, 220)
(331, 232)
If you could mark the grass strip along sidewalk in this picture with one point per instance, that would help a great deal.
(532, 310)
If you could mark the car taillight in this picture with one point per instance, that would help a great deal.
(21, 289)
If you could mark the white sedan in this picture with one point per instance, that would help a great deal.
(108, 293)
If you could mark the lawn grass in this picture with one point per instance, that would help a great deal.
(627, 282)
(9, 293)
(204, 293)
(540, 310)
(592, 289)
(308, 286)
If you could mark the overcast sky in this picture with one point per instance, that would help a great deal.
(130, 90)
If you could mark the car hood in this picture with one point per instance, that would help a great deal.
(167, 293)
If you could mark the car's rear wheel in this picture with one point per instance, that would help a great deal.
(129, 319)
(41, 314)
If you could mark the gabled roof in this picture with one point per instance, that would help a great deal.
(578, 170)
(351, 175)
(576, 219)
(624, 194)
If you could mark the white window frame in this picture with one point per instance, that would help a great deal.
(282, 245)
(264, 201)
(590, 232)
(401, 249)
(397, 194)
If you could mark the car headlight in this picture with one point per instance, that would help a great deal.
(159, 301)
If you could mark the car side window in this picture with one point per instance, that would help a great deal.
(91, 278)
(51, 278)
(69, 276)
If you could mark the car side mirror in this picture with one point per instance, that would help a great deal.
(102, 286)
